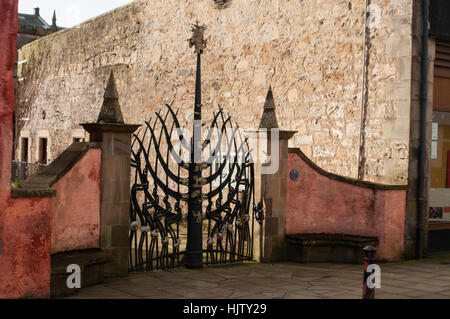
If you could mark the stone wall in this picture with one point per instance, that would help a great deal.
(311, 52)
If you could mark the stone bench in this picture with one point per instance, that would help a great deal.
(339, 248)
(91, 262)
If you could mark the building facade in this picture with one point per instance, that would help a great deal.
(439, 187)
(31, 28)
(349, 83)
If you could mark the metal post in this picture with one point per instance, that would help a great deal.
(421, 187)
(194, 249)
(369, 252)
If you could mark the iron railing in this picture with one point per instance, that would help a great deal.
(21, 171)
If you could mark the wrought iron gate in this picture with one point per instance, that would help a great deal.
(194, 211)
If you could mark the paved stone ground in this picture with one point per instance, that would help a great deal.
(428, 278)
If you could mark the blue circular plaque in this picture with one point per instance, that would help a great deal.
(294, 174)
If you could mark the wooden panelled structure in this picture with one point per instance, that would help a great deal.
(439, 198)
(442, 78)
(441, 115)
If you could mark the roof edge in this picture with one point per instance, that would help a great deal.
(68, 29)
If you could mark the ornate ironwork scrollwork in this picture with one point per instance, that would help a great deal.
(158, 196)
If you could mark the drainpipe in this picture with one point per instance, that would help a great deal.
(363, 87)
(422, 136)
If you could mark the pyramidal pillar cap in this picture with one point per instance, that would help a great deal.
(110, 111)
(269, 117)
(110, 118)
(269, 120)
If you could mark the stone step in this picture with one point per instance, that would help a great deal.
(338, 248)
(91, 262)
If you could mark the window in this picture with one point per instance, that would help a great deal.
(78, 135)
(43, 151)
(24, 150)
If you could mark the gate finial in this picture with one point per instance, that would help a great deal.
(110, 111)
(198, 41)
(269, 117)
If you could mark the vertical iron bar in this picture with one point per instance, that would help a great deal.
(208, 247)
(194, 253)
(177, 249)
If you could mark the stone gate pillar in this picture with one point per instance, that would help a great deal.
(115, 137)
(272, 172)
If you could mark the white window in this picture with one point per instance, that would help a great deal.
(78, 135)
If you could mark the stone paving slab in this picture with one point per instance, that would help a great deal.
(424, 279)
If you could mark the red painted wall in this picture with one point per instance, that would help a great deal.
(25, 260)
(319, 204)
(8, 33)
(76, 207)
(24, 223)
(32, 228)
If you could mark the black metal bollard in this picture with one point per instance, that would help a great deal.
(369, 252)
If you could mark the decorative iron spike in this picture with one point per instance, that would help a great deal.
(198, 41)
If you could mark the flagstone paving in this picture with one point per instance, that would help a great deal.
(423, 279)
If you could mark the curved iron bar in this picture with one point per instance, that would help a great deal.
(213, 124)
(151, 202)
(220, 222)
(185, 144)
(161, 232)
(169, 218)
(157, 180)
(169, 143)
(222, 165)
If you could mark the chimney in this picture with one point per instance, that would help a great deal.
(36, 12)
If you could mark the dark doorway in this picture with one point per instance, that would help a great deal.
(43, 151)
(24, 150)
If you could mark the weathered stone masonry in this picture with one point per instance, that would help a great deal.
(309, 51)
